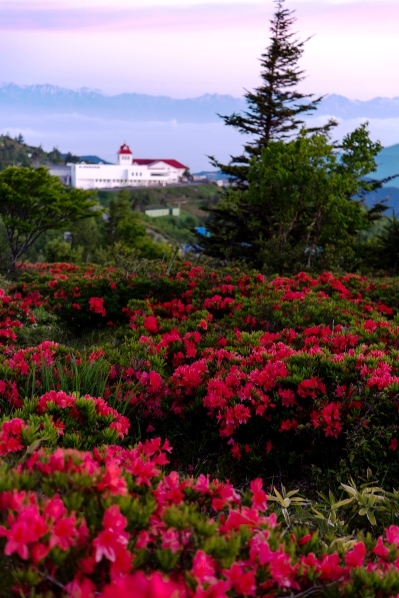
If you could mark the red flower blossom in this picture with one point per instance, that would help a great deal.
(64, 533)
(288, 398)
(151, 324)
(112, 482)
(113, 539)
(96, 305)
(259, 497)
(393, 445)
(355, 557)
(380, 549)
(288, 424)
(242, 581)
(203, 568)
(392, 535)
(311, 387)
(28, 527)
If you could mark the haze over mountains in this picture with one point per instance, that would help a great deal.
(88, 121)
(51, 98)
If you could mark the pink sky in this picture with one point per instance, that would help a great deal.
(187, 48)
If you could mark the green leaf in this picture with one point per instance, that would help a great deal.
(350, 490)
(341, 503)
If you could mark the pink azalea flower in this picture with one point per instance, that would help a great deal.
(140, 586)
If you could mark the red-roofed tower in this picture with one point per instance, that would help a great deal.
(125, 156)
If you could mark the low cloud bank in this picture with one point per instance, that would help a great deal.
(187, 142)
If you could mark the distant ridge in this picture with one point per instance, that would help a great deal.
(141, 107)
(47, 99)
(342, 107)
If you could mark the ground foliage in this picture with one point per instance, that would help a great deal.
(275, 384)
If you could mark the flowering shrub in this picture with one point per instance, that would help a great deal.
(78, 523)
(89, 296)
(282, 374)
(15, 311)
(249, 378)
(58, 418)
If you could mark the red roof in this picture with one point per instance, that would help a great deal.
(148, 161)
(124, 149)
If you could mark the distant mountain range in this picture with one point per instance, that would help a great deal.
(133, 106)
(87, 122)
(342, 107)
(140, 107)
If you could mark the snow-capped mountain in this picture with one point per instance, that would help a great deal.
(139, 107)
(136, 107)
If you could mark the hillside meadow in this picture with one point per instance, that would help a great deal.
(185, 431)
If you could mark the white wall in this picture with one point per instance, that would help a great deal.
(105, 176)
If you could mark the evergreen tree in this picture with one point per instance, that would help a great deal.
(297, 210)
(241, 229)
(276, 108)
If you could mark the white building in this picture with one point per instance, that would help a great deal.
(128, 172)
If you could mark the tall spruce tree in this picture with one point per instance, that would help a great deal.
(275, 108)
(243, 225)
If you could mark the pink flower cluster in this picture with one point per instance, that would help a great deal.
(70, 409)
(221, 352)
(11, 436)
(14, 311)
(116, 505)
